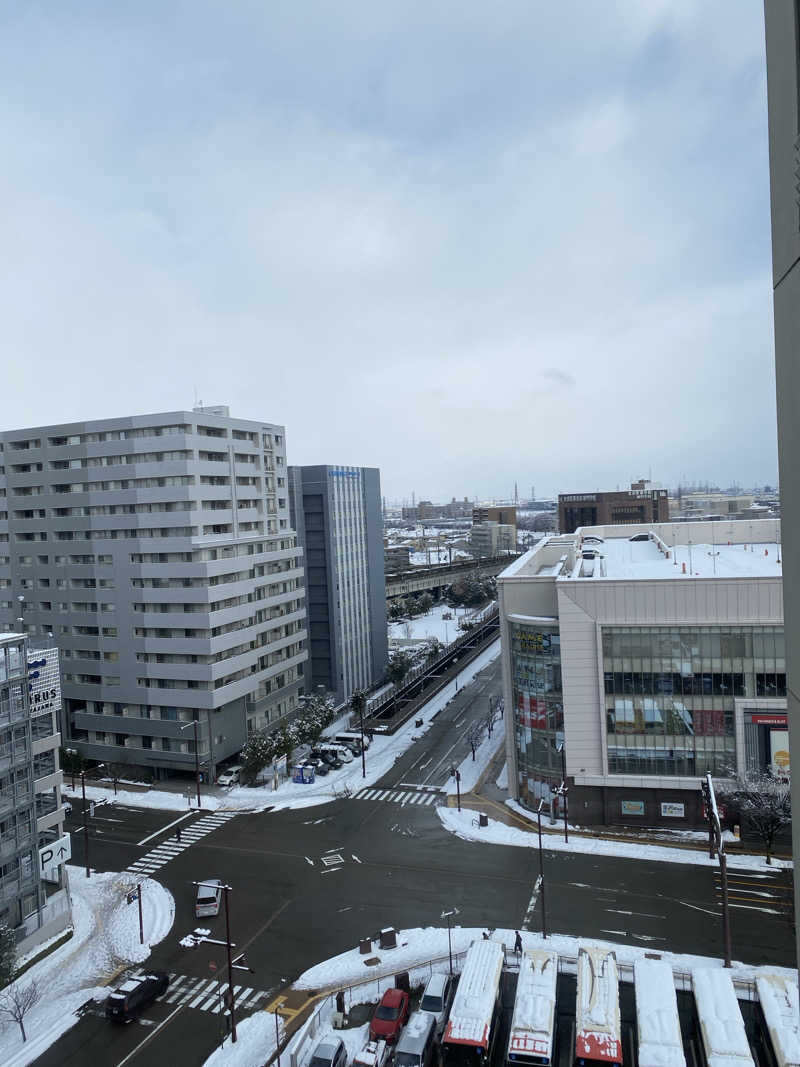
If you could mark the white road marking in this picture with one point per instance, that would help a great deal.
(355, 857)
(309, 861)
(164, 828)
(149, 1037)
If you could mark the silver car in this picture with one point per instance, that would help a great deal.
(329, 1053)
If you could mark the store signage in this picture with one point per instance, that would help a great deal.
(669, 810)
(54, 854)
(44, 681)
(632, 807)
(769, 720)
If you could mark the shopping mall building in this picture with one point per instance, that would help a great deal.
(654, 654)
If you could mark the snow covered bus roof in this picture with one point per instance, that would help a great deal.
(657, 1022)
(531, 1039)
(597, 1022)
(779, 1002)
(470, 1021)
(721, 1023)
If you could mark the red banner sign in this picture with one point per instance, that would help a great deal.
(769, 720)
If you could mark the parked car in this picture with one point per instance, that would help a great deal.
(390, 1016)
(319, 765)
(344, 753)
(134, 995)
(437, 996)
(209, 898)
(326, 754)
(329, 1053)
(230, 776)
(417, 1043)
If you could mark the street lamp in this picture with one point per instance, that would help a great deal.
(99, 767)
(716, 842)
(456, 773)
(358, 701)
(240, 962)
(448, 915)
(196, 757)
(562, 789)
(541, 869)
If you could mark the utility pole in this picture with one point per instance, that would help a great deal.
(716, 842)
(141, 921)
(563, 791)
(456, 773)
(85, 820)
(358, 702)
(232, 999)
(196, 757)
(541, 870)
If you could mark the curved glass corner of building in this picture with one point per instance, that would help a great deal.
(538, 709)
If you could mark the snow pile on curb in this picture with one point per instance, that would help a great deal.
(472, 769)
(106, 935)
(255, 1043)
(462, 824)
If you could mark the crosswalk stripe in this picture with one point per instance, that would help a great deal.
(210, 1002)
(202, 996)
(430, 799)
(382, 794)
(368, 794)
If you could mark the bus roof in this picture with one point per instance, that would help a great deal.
(470, 1019)
(779, 1002)
(597, 1021)
(721, 1023)
(535, 1005)
(660, 1041)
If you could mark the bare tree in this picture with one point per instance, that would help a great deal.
(764, 805)
(17, 1002)
(473, 736)
(8, 954)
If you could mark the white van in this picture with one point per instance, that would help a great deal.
(352, 738)
(231, 776)
(417, 1041)
(209, 898)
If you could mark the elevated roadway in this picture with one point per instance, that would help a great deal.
(424, 579)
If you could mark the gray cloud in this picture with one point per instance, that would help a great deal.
(387, 225)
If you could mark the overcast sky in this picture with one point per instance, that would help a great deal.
(470, 244)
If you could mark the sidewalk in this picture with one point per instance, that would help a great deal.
(487, 797)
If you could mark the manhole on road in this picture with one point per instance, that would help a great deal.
(329, 861)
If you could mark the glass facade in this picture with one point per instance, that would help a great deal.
(538, 709)
(669, 693)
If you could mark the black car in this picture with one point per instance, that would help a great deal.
(134, 995)
(330, 758)
(319, 765)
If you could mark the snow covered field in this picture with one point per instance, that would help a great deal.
(432, 624)
(105, 938)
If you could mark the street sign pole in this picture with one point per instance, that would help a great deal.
(141, 922)
(85, 824)
(232, 1005)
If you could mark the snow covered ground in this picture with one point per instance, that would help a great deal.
(255, 1042)
(472, 769)
(106, 937)
(432, 624)
(462, 824)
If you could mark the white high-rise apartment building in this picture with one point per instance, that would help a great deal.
(157, 551)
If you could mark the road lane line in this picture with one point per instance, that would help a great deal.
(150, 1036)
(164, 828)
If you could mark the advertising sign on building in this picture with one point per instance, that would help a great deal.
(44, 681)
(779, 750)
(671, 810)
(632, 807)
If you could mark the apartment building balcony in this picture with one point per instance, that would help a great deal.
(16, 840)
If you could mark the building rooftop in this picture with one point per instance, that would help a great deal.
(620, 557)
(662, 551)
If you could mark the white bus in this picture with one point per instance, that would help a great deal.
(597, 1024)
(533, 1021)
(721, 1025)
(472, 1026)
(657, 1022)
(779, 1001)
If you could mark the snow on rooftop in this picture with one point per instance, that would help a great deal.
(781, 1007)
(597, 1008)
(624, 558)
(473, 1004)
(721, 1022)
(660, 1042)
(534, 1006)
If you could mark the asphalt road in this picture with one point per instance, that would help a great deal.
(309, 884)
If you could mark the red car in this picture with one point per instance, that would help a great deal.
(391, 1015)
